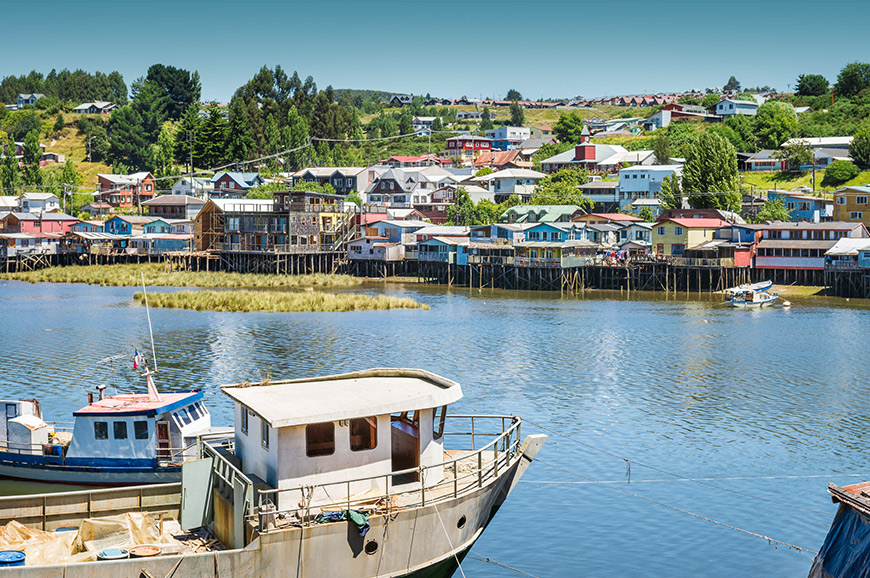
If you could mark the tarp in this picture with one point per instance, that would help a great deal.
(846, 551)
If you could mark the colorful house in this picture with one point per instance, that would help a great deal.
(127, 225)
(443, 250)
(556, 232)
(36, 224)
(731, 107)
(802, 245)
(803, 207)
(539, 214)
(549, 255)
(174, 206)
(234, 184)
(465, 149)
(671, 237)
(852, 205)
(126, 190)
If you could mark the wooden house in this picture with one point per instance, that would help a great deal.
(553, 254)
(443, 250)
(126, 190)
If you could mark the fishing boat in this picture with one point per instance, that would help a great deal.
(846, 548)
(360, 475)
(740, 289)
(126, 439)
(753, 299)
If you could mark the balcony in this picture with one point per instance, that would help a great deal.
(701, 262)
(843, 265)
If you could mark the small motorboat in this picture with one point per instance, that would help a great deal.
(740, 289)
(753, 299)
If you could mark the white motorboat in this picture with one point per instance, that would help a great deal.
(760, 286)
(753, 299)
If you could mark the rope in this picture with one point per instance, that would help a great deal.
(676, 509)
(449, 541)
(489, 560)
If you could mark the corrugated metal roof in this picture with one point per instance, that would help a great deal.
(795, 244)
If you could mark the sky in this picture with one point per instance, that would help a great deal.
(448, 48)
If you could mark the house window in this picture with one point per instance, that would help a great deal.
(856, 215)
(678, 231)
(120, 428)
(101, 430)
(245, 420)
(789, 206)
(363, 433)
(861, 200)
(320, 439)
(264, 433)
(140, 430)
(841, 200)
(660, 230)
(677, 249)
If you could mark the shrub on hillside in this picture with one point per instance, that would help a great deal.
(839, 172)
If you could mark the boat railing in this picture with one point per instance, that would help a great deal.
(469, 471)
(173, 456)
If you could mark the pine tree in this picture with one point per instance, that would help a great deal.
(186, 135)
(10, 176)
(162, 152)
(70, 176)
(272, 137)
(295, 136)
(212, 137)
(32, 158)
(240, 143)
(485, 119)
(710, 174)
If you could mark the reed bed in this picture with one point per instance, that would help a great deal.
(157, 275)
(308, 300)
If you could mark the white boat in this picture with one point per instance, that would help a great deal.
(753, 299)
(362, 475)
(760, 286)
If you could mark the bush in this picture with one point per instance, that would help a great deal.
(839, 172)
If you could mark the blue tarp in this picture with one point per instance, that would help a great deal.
(846, 551)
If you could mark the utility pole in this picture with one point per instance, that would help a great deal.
(190, 149)
(90, 138)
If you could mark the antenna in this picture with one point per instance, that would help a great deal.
(148, 314)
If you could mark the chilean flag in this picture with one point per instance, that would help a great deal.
(137, 360)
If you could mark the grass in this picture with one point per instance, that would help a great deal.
(156, 275)
(277, 301)
(763, 181)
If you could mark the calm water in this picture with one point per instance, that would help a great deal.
(767, 406)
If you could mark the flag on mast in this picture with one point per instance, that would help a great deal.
(138, 360)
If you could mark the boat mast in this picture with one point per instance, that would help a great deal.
(153, 394)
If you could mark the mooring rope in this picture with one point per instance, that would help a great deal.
(488, 560)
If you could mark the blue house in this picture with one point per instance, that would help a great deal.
(443, 250)
(158, 226)
(87, 227)
(557, 232)
(803, 207)
(127, 224)
(507, 233)
(395, 231)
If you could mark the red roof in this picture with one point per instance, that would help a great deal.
(139, 403)
(701, 223)
(368, 218)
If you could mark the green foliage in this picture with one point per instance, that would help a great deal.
(185, 136)
(661, 147)
(313, 187)
(646, 214)
(239, 142)
(518, 116)
(134, 128)
(66, 86)
(273, 140)
(797, 154)
(560, 188)
(85, 216)
(812, 85)
(710, 100)
(732, 84)
(162, 154)
(710, 174)
(743, 128)
(688, 100)
(295, 136)
(670, 195)
(96, 142)
(484, 171)
(513, 95)
(406, 124)
(773, 210)
(485, 119)
(70, 176)
(463, 211)
(354, 198)
(10, 177)
(178, 87)
(859, 150)
(839, 172)
(775, 123)
(569, 127)
(58, 123)
(854, 78)
(32, 157)
(211, 138)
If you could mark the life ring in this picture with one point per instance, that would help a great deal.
(537, 262)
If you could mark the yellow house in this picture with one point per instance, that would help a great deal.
(674, 236)
(851, 205)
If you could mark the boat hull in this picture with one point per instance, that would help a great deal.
(90, 475)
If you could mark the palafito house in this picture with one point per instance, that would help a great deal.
(851, 205)
(673, 236)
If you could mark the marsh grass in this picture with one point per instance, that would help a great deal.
(308, 300)
(129, 275)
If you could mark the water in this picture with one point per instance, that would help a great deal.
(768, 406)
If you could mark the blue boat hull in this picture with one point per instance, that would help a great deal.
(106, 472)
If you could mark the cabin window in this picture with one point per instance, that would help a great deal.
(438, 418)
(101, 430)
(120, 428)
(264, 433)
(320, 439)
(140, 430)
(182, 416)
(11, 410)
(363, 433)
(245, 420)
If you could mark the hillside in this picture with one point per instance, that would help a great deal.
(71, 143)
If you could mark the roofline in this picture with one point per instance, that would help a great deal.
(197, 394)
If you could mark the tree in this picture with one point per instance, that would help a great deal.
(688, 100)
(710, 100)
(839, 172)
(178, 87)
(354, 198)
(97, 143)
(744, 130)
(670, 195)
(437, 125)
(273, 140)
(461, 212)
(775, 123)
(732, 84)
(185, 136)
(518, 117)
(32, 158)
(710, 174)
(646, 214)
(569, 127)
(129, 144)
(406, 124)
(485, 119)
(773, 210)
(812, 85)
(10, 177)
(484, 171)
(797, 155)
(859, 150)
(162, 152)
(513, 95)
(239, 139)
(661, 147)
(58, 123)
(69, 175)
(295, 137)
(212, 137)
(854, 78)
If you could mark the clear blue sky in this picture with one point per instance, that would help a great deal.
(450, 48)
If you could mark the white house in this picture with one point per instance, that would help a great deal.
(509, 182)
(192, 186)
(644, 182)
(731, 107)
(38, 203)
(822, 142)
(423, 125)
(96, 107)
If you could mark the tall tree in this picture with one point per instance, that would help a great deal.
(811, 85)
(273, 140)
(661, 147)
(10, 177)
(212, 137)
(859, 150)
(710, 174)
(485, 119)
(854, 78)
(32, 158)
(513, 95)
(69, 176)
(295, 137)
(670, 195)
(568, 128)
(178, 88)
(239, 139)
(775, 123)
(186, 135)
(732, 84)
(518, 116)
(162, 153)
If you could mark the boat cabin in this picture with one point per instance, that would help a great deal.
(22, 428)
(140, 428)
(382, 424)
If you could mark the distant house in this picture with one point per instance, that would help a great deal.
(38, 203)
(88, 227)
(443, 250)
(552, 254)
(126, 225)
(125, 190)
(644, 182)
(96, 107)
(603, 194)
(507, 182)
(344, 180)
(193, 186)
(36, 223)
(803, 207)
(595, 157)
(731, 107)
(98, 208)
(375, 249)
(233, 184)
(395, 231)
(427, 160)
(556, 232)
(174, 206)
(822, 142)
(8, 204)
(765, 160)
(466, 148)
(671, 237)
(543, 132)
(423, 125)
(852, 205)
(469, 115)
(401, 100)
(802, 245)
(539, 214)
(500, 160)
(504, 233)
(28, 99)
(638, 233)
(602, 218)
(507, 137)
